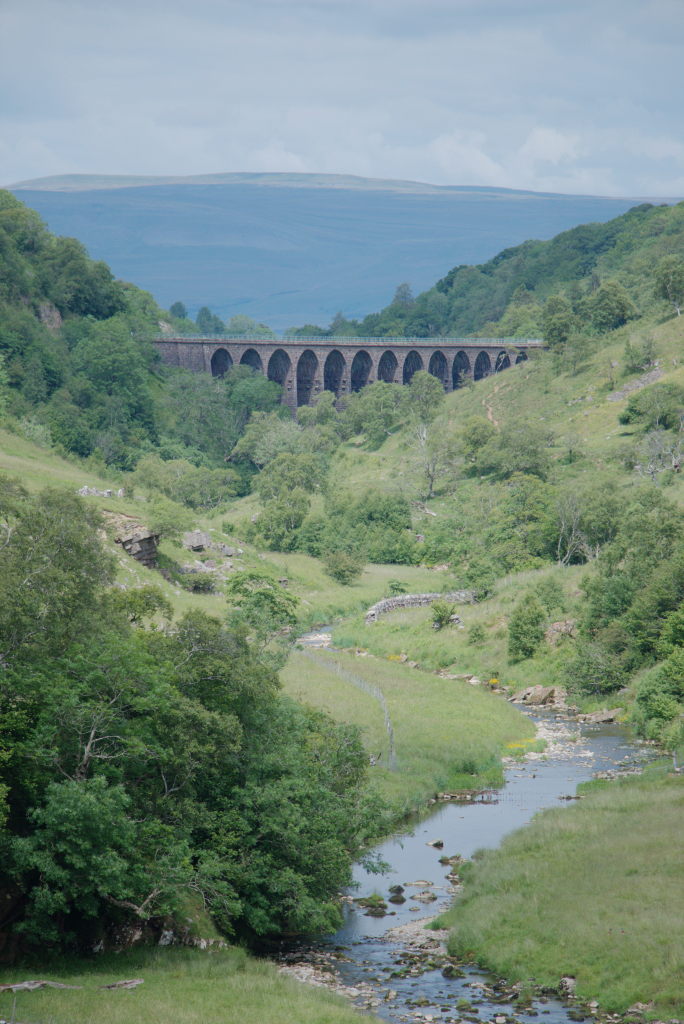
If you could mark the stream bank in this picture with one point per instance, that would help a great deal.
(389, 965)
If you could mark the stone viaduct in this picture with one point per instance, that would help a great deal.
(306, 366)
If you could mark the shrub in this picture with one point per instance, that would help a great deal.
(525, 628)
(593, 669)
(476, 635)
(442, 612)
(344, 566)
(198, 582)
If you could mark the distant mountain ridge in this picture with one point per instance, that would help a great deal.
(289, 249)
(88, 182)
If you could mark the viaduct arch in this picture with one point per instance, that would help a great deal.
(304, 367)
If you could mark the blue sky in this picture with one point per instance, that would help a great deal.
(550, 95)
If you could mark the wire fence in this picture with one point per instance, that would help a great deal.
(373, 691)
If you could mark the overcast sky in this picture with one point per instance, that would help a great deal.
(580, 96)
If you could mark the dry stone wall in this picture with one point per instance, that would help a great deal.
(391, 604)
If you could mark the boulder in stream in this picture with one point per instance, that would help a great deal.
(601, 717)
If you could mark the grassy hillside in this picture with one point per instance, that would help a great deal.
(553, 491)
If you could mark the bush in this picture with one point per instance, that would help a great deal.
(476, 635)
(442, 612)
(311, 534)
(198, 582)
(344, 566)
(525, 628)
(593, 669)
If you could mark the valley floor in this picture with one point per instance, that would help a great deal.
(593, 891)
(180, 986)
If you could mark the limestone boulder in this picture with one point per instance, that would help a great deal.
(558, 631)
(601, 717)
(541, 696)
(196, 540)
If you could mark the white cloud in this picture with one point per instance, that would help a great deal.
(581, 97)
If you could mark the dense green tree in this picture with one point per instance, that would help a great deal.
(657, 407)
(242, 326)
(264, 607)
(207, 414)
(593, 668)
(558, 321)
(669, 281)
(288, 471)
(208, 323)
(525, 628)
(375, 411)
(281, 518)
(475, 434)
(52, 567)
(344, 567)
(516, 448)
(403, 296)
(195, 486)
(639, 356)
(140, 765)
(425, 397)
(611, 307)
(266, 436)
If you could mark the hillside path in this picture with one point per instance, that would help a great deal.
(487, 405)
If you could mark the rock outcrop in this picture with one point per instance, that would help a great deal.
(196, 540)
(558, 631)
(135, 538)
(541, 696)
(93, 492)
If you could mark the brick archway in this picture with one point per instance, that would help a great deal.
(483, 366)
(334, 371)
(307, 369)
(252, 359)
(279, 366)
(361, 367)
(438, 368)
(387, 367)
(221, 362)
(412, 364)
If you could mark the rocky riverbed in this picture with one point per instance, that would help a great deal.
(402, 973)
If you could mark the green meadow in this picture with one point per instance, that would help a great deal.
(183, 986)
(593, 891)
(448, 735)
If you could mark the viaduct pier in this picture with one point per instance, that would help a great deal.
(306, 366)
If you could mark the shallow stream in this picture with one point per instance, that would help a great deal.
(397, 975)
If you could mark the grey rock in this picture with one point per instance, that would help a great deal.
(601, 717)
(196, 540)
(390, 604)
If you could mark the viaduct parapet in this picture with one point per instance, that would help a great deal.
(306, 366)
